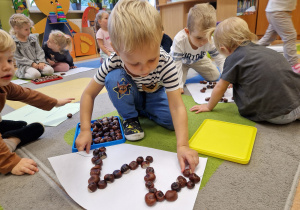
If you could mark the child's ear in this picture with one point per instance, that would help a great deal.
(225, 51)
(187, 31)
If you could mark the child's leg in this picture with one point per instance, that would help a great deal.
(157, 108)
(48, 70)
(12, 143)
(269, 36)
(32, 73)
(61, 67)
(7, 125)
(283, 25)
(206, 69)
(103, 56)
(288, 118)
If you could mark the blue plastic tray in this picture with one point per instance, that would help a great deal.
(94, 146)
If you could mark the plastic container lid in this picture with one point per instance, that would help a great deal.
(228, 141)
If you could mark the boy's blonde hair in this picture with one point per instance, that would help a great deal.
(133, 24)
(201, 17)
(61, 39)
(6, 42)
(231, 33)
(19, 20)
(99, 17)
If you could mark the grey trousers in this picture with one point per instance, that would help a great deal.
(280, 23)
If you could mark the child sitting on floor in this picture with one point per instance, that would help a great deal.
(190, 45)
(264, 86)
(18, 133)
(57, 51)
(102, 35)
(140, 78)
(29, 55)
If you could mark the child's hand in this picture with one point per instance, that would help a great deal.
(61, 102)
(35, 65)
(181, 91)
(187, 156)
(25, 166)
(41, 66)
(73, 67)
(83, 141)
(51, 62)
(200, 108)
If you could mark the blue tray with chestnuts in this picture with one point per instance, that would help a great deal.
(106, 131)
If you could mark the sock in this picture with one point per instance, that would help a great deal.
(10, 144)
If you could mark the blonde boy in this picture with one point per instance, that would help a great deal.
(17, 133)
(190, 45)
(140, 79)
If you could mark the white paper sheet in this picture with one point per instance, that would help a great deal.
(128, 192)
(199, 97)
(19, 81)
(73, 71)
(53, 117)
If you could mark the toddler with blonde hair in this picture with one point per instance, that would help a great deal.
(190, 45)
(57, 51)
(29, 55)
(265, 88)
(140, 78)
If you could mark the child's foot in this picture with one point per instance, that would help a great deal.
(8, 125)
(296, 68)
(132, 129)
(27, 134)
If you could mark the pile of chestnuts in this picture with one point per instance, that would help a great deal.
(47, 78)
(106, 129)
(153, 195)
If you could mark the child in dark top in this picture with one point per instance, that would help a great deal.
(265, 88)
(166, 42)
(57, 51)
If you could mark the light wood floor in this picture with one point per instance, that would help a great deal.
(296, 202)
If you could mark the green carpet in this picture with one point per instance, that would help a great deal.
(160, 138)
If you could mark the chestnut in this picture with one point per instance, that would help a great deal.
(125, 169)
(171, 195)
(149, 184)
(102, 184)
(175, 186)
(150, 199)
(99, 162)
(95, 171)
(102, 149)
(117, 174)
(102, 155)
(153, 190)
(109, 178)
(149, 159)
(194, 178)
(150, 177)
(182, 181)
(187, 172)
(133, 165)
(190, 184)
(149, 169)
(69, 115)
(95, 152)
(94, 159)
(93, 178)
(92, 187)
(145, 164)
(139, 160)
(160, 196)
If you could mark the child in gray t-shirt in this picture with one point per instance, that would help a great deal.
(264, 86)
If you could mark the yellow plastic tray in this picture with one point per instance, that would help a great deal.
(228, 141)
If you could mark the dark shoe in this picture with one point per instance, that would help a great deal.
(27, 134)
(132, 129)
(8, 125)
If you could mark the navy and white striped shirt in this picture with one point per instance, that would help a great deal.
(165, 73)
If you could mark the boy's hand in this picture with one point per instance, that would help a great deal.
(35, 65)
(73, 67)
(25, 166)
(83, 141)
(41, 66)
(61, 102)
(187, 156)
(200, 108)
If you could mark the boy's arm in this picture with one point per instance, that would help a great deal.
(84, 139)
(8, 160)
(216, 96)
(180, 122)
